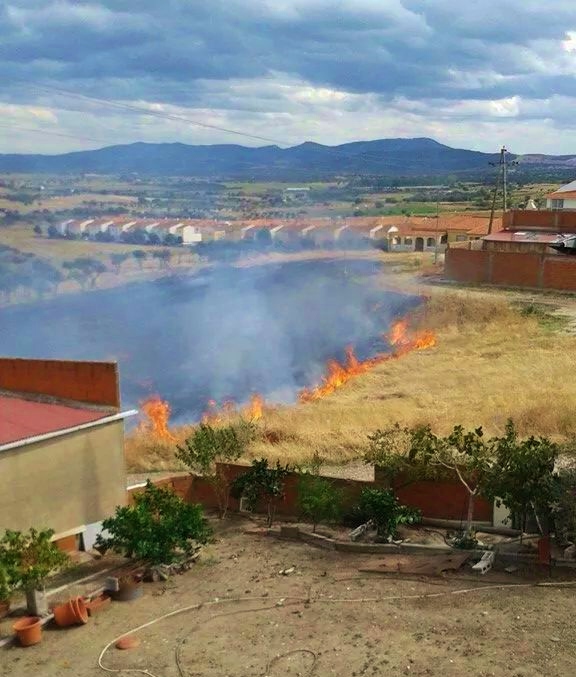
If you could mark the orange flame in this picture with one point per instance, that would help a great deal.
(253, 411)
(157, 413)
(338, 374)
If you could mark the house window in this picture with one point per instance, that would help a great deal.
(407, 240)
(430, 242)
(461, 238)
(557, 204)
(395, 240)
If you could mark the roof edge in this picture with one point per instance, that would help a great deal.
(66, 431)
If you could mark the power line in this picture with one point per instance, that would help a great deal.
(153, 113)
(365, 156)
(48, 132)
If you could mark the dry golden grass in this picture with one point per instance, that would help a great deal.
(67, 202)
(490, 363)
(23, 238)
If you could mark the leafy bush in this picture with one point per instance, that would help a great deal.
(28, 558)
(384, 509)
(262, 483)
(564, 509)
(207, 447)
(158, 529)
(318, 499)
(7, 583)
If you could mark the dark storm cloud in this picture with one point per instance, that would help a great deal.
(417, 48)
(234, 57)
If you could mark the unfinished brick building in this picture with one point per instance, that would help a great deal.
(520, 255)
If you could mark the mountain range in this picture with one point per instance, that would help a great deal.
(386, 157)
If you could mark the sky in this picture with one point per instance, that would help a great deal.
(469, 74)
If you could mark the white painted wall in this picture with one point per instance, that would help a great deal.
(568, 204)
(190, 235)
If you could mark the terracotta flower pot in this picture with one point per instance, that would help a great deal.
(98, 604)
(28, 630)
(81, 610)
(72, 612)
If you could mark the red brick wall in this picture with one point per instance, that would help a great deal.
(512, 269)
(557, 221)
(560, 273)
(92, 382)
(441, 500)
(464, 265)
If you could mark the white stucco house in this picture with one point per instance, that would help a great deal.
(563, 198)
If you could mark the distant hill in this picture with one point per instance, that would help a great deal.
(393, 157)
(386, 157)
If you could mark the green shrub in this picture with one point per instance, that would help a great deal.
(208, 447)
(28, 558)
(384, 509)
(158, 529)
(318, 500)
(262, 483)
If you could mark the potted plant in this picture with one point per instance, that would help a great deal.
(32, 557)
(129, 588)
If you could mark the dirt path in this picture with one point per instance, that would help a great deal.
(510, 632)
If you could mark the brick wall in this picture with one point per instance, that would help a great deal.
(466, 266)
(436, 499)
(443, 500)
(557, 221)
(560, 273)
(511, 269)
(91, 382)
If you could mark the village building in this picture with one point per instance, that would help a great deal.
(61, 447)
(563, 198)
(532, 250)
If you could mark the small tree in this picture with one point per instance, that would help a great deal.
(159, 528)
(52, 231)
(139, 255)
(29, 558)
(8, 582)
(117, 260)
(465, 455)
(318, 499)
(564, 507)
(262, 483)
(207, 448)
(164, 256)
(386, 512)
(523, 476)
(38, 230)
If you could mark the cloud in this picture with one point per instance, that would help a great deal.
(324, 70)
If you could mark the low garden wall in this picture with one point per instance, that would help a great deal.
(436, 499)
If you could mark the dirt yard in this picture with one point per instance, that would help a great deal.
(322, 619)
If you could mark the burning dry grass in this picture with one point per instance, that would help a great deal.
(490, 363)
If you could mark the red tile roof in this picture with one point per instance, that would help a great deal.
(23, 418)
(562, 195)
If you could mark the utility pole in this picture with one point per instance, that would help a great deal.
(437, 226)
(503, 160)
(502, 165)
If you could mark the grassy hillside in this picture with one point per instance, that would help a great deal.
(491, 362)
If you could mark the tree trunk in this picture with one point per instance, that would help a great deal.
(470, 513)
